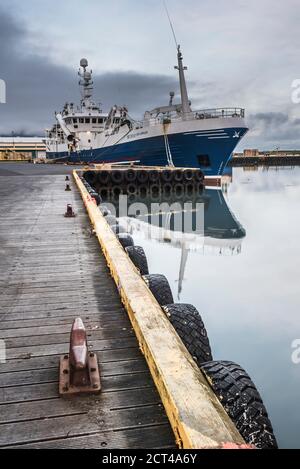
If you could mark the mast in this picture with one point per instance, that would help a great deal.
(186, 108)
(86, 84)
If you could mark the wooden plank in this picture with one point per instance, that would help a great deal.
(109, 357)
(129, 437)
(152, 437)
(54, 349)
(63, 329)
(48, 375)
(49, 389)
(65, 313)
(40, 374)
(104, 321)
(54, 407)
(56, 339)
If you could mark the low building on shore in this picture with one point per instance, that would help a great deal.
(254, 153)
(22, 148)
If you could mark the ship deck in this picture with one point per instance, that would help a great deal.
(52, 271)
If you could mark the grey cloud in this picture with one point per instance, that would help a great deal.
(270, 118)
(271, 129)
(36, 87)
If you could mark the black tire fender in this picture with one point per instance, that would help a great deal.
(179, 189)
(117, 176)
(160, 288)
(241, 400)
(90, 177)
(138, 257)
(104, 177)
(142, 176)
(130, 175)
(125, 239)
(153, 176)
(188, 175)
(131, 189)
(167, 175)
(178, 175)
(188, 324)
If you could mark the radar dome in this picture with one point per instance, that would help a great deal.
(83, 63)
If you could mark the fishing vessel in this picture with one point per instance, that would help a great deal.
(168, 135)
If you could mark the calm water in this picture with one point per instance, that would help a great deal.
(244, 280)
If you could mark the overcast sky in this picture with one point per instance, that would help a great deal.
(238, 52)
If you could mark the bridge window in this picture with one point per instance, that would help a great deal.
(94, 121)
(203, 161)
(81, 121)
(87, 121)
(75, 121)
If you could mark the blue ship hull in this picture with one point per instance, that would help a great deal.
(189, 149)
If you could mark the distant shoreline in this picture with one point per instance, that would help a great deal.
(283, 160)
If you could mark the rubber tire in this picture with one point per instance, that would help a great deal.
(117, 229)
(90, 177)
(188, 175)
(142, 176)
(104, 177)
(116, 191)
(178, 175)
(125, 239)
(131, 189)
(166, 175)
(198, 175)
(138, 257)
(153, 176)
(104, 192)
(189, 188)
(117, 176)
(111, 220)
(167, 188)
(154, 189)
(160, 288)
(96, 196)
(143, 191)
(179, 189)
(130, 175)
(239, 397)
(188, 324)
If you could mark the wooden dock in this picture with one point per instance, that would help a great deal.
(51, 271)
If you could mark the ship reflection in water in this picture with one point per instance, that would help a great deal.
(203, 223)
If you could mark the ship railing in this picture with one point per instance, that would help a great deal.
(219, 112)
(201, 114)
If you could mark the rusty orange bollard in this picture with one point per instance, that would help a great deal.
(79, 371)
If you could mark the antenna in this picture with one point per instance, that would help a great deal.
(171, 24)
